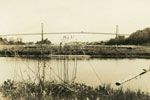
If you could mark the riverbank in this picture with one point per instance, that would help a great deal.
(65, 91)
(93, 51)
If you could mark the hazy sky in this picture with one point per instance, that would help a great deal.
(25, 16)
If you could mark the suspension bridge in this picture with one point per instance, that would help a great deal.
(60, 33)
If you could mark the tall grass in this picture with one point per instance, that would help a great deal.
(61, 91)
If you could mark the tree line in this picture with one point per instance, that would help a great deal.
(19, 41)
(140, 37)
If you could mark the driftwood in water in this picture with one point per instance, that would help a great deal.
(144, 71)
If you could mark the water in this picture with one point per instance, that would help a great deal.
(108, 70)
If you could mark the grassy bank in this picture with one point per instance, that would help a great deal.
(63, 91)
(95, 51)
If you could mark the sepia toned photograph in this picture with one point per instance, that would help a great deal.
(74, 50)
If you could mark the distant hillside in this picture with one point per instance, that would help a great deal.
(140, 37)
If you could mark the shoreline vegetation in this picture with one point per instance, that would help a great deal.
(86, 51)
(64, 91)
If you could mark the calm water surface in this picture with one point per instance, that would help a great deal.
(108, 70)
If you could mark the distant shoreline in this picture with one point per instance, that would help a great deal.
(87, 51)
(79, 56)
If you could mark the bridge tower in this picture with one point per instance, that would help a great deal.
(42, 34)
(117, 31)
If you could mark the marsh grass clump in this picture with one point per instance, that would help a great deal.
(61, 91)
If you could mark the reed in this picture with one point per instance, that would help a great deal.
(60, 91)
